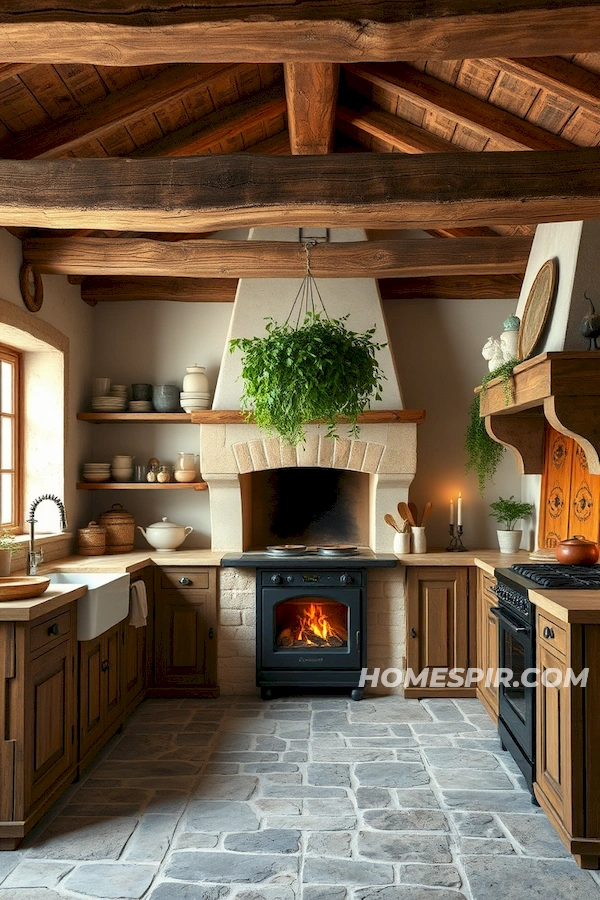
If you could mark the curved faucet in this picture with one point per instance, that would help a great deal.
(36, 556)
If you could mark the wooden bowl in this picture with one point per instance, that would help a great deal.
(23, 588)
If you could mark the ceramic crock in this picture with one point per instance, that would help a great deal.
(577, 551)
(195, 380)
(165, 535)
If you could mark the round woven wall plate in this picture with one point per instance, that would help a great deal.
(537, 308)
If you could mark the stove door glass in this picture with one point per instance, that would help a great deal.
(311, 623)
(513, 657)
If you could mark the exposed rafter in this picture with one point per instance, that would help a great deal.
(556, 74)
(311, 90)
(463, 287)
(157, 31)
(402, 135)
(394, 190)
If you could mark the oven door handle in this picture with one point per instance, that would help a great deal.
(508, 624)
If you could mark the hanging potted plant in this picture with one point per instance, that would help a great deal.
(484, 454)
(313, 368)
(507, 513)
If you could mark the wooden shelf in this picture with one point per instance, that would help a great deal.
(140, 486)
(561, 388)
(370, 417)
(141, 418)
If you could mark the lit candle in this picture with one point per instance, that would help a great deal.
(459, 511)
(452, 512)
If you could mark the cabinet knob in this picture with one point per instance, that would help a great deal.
(548, 632)
(413, 633)
(54, 629)
(105, 665)
(211, 632)
(185, 580)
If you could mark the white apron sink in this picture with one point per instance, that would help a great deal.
(105, 603)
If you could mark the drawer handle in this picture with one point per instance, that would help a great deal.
(185, 580)
(105, 665)
(211, 633)
(54, 629)
(548, 632)
(413, 633)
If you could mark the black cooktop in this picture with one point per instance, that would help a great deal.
(555, 576)
(364, 558)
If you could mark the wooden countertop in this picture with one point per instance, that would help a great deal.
(132, 562)
(483, 559)
(56, 596)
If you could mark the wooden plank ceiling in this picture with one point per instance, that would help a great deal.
(56, 109)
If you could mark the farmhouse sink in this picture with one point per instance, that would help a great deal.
(105, 603)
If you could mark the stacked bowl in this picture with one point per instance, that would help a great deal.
(140, 406)
(96, 472)
(191, 400)
(109, 404)
(122, 468)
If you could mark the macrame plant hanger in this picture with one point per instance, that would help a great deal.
(304, 304)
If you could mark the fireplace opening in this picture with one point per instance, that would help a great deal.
(306, 622)
(313, 506)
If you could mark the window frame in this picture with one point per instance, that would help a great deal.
(15, 359)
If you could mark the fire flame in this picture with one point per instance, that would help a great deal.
(316, 621)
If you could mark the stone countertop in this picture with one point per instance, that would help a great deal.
(54, 598)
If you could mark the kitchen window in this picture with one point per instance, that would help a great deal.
(11, 450)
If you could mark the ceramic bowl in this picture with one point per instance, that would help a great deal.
(165, 398)
(96, 477)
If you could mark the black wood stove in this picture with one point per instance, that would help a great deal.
(311, 612)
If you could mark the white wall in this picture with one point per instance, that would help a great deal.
(437, 346)
(64, 310)
(154, 342)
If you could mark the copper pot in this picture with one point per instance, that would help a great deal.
(577, 551)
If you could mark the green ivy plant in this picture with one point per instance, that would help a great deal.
(7, 540)
(508, 512)
(483, 453)
(317, 370)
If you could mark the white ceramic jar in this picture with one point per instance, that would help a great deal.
(195, 380)
(165, 535)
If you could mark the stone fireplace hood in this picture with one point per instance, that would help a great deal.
(384, 452)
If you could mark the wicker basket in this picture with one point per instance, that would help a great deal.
(91, 540)
(120, 529)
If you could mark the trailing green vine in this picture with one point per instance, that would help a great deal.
(317, 370)
(483, 453)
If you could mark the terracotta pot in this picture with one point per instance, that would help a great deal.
(577, 551)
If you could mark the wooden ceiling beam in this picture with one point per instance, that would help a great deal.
(220, 125)
(277, 259)
(96, 289)
(438, 97)
(555, 74)
(80, 126)
(400, 133)
(395, 190)
(158, 31)
(276, 145)
(311, 90)
(464, 287)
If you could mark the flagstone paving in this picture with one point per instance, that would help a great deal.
(302, 798)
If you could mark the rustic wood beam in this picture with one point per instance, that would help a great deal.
(311, 91)
(79, 126)
(395, 190)
(276, 145)
(402, 135)
(555, 74)
(278, 259)
(436, 96)
(220, 125)
(464, 287)
(158, 31)
(96, 289)
(9, 70)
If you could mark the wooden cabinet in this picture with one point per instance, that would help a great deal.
(440, 624)
(487, 643)
(567, 781)
(185, 632)
(37, 719)
(136, 653)
(99, 691)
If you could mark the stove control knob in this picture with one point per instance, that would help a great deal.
(346, 579)
(276, 579)
(289, 579)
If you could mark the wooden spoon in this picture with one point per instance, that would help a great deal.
(415, 514)
(406, 513)
(426, 512)
(391, 521)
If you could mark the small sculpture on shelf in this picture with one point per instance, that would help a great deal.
(590, 326)
(502, 349)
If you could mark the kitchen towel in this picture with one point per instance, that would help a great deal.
(138, 604)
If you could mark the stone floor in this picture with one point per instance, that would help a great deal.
(299, 799)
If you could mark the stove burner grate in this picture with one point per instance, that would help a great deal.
(557, 576)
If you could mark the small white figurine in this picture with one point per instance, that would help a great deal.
(493, 352)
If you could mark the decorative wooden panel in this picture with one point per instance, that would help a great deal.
(553, 759)
(570, 496)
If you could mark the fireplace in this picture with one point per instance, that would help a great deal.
(311, 628)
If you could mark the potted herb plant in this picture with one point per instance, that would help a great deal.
(507, 513)
(8, 545)
(318, 370)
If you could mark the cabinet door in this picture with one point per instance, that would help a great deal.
(111, 670)
(553, 759)
(437, 622)
(50, 748)
(487, 643)
(133, 663)
(91, 680)
(183, 623)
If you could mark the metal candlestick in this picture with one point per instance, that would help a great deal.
(456, 544)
